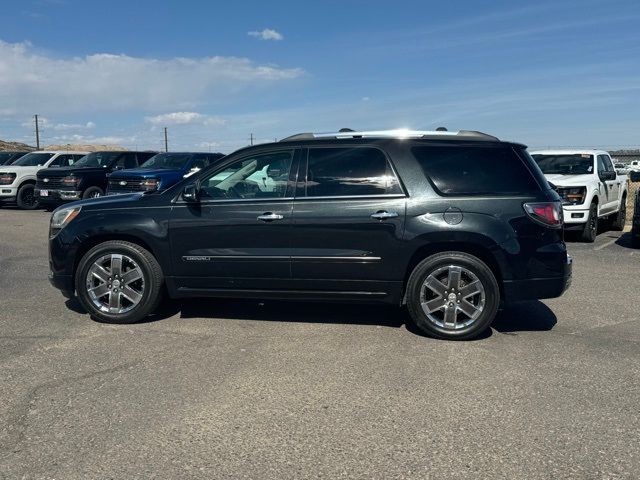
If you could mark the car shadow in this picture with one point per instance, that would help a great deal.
(533, 316)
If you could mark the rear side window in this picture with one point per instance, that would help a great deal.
(342, 172)
(475, 170)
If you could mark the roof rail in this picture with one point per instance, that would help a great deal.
(397, 133)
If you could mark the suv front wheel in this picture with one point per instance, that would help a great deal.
(452, 295)
(119, 282)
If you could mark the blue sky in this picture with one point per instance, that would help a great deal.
(545, 73)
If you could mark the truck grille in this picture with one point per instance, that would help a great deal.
(52, 183)
(125, 185)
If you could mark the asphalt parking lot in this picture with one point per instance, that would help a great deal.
(242, 389)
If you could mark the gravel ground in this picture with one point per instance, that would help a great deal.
(242, 389)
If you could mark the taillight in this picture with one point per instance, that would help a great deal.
(548, 214)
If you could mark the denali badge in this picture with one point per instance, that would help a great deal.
(196, 258)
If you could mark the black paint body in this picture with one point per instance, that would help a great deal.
(323, 248)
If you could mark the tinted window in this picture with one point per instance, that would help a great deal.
(259, 176)
(98, 159)
(65, 160)
(170, 161)
(339, 172)
(475, 170)
(601, 165)
(607, 163)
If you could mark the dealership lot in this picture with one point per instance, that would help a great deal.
(243, 389)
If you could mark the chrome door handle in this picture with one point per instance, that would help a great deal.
(270, 217)
(382, 215)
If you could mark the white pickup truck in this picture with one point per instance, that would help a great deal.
(590, 188)
(18, 180)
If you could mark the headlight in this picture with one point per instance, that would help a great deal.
(573, 195)
(7, 178)
(61, 218)
(70, 181)
(150, 184)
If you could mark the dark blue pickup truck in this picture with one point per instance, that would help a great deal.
(159, 172)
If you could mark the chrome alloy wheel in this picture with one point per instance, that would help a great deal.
(452, 297)
(115, 283)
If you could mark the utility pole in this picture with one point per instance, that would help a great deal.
(166, 142)
(37, 133)
(251, 139)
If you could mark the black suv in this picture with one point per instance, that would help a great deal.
(450, 224)
(87, 178)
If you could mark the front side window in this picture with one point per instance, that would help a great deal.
(255, 177)
(345, 172)
(475, 170)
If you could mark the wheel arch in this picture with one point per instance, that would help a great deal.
(482, 252)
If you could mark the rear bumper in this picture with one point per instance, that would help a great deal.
(538, 288)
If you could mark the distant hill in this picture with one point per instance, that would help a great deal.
(15, 146)
(86, 148)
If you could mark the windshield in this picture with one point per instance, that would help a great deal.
(578, 164)
(33, 159)
(171, 161)
(97, 159)
(7, 157)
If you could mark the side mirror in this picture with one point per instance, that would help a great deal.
(604, 176)
(190, 193)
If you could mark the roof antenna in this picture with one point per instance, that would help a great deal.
(342, 130)
(441, 129)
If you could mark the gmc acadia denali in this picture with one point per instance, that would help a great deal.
(449, 223)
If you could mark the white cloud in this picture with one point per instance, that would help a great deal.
(266, 34)
(184, 118)
(31, 81)
(45, 123)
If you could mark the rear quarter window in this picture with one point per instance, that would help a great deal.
(475, 170)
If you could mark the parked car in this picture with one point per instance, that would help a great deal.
(634, 166)
(17, 181)
(621, 168)
(635, 228)
(7, 158)
(590, 188)
(449, 223)
(87, 178)
(159, 172)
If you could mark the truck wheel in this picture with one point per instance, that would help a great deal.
(92, 192)
(590, 230)
(26, 198)
(452, 295)
(119, 282)
(621, 217)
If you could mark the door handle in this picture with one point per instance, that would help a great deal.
(383, 215)
(270, 217)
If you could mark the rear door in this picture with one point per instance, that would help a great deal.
(348, 220)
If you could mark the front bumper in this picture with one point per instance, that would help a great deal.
(538, 288)
(57, 196)
(8, 193)
(575, 214)
(64, 283)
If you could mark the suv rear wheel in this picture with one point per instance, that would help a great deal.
(119, 282)
(452, 295)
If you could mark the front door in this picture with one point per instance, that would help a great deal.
(348, 221)
(607, 199)
(237, 235)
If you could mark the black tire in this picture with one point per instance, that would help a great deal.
(26, 198)
(620, 218)
(434, 264)
(48, 207)
(590, 230)
(151, 276)
(92, 192)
